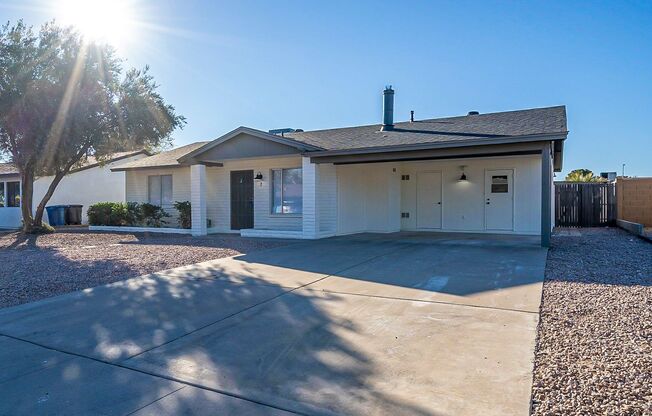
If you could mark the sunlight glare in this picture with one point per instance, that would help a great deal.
(110, 21)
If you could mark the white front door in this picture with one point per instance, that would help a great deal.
(499, 199)
(429, 200)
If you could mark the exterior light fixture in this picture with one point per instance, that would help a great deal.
(259, 176)
(463, 177)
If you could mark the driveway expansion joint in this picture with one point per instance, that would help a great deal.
(161, 376)
(463, 305)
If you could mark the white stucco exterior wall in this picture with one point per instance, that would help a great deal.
(86, 187)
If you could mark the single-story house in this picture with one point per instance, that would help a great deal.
(90, 183)
(480, 173)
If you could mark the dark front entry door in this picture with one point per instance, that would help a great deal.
(242, 199)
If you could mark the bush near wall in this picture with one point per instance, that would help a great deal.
(185, 214)
(126, 214)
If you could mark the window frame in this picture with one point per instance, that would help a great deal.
(5, 193)
(162, 204)
(271, 193)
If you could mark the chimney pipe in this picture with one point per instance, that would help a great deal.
(388, 109)
(411, 116)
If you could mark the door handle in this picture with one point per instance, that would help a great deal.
(439, 203)
(488, 203)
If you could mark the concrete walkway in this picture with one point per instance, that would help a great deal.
(419, 324)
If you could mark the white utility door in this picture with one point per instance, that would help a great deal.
(499, 199)
(429, 200)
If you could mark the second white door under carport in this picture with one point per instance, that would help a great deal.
(429, 200)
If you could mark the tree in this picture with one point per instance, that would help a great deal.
(63, 99)
(583, 175)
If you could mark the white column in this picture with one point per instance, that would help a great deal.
(198, 199)
(310, 172)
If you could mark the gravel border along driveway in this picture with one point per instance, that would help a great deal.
(37, 267)
(594, 347)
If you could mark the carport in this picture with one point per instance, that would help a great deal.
(502, 187)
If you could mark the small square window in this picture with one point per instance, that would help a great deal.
(499, 184)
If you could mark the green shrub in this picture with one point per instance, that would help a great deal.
(100, 213)
(107, 213)
(185, 213)
(134, 214)
(153, 215)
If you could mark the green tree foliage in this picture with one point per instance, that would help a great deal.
(583, 175)
(63, 99)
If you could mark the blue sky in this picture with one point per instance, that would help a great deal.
(324, 64)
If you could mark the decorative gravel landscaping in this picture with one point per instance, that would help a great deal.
(37, 267)
(594, 348)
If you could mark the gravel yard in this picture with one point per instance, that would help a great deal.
(37, 267)
(594, 347)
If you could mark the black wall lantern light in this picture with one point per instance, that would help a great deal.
(259, 176)
(463, 177)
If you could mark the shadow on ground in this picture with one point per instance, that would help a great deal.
(305, 363)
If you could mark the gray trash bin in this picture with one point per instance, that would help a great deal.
(73, 214)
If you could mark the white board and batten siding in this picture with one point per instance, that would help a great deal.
(369, 198)
(137, 183)
(372, 197)
(218, 192)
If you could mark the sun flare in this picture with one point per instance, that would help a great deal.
(110, 21)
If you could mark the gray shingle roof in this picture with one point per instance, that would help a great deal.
(163, 159)
(550, 120)
(8, 168)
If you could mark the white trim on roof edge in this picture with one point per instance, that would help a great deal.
(253, 132)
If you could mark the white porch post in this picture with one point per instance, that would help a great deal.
(310, 172)
(198, 199)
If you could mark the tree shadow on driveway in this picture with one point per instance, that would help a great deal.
(240, 336)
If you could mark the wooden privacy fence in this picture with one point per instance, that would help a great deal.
(585, 204)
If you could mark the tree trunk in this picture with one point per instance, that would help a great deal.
(38, 215)
(27, 181)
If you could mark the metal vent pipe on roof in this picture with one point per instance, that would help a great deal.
(474, 113)
(388, 109)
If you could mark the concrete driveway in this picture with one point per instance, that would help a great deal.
(419, 324)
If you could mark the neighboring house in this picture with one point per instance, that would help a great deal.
(481, 173)
(10, 192)
(93, 182)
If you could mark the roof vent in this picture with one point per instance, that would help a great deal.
(281, 132)
(474, 113)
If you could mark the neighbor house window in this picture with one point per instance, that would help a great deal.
(2, 194)
(13, 194)
(287, 191)
(159, 190)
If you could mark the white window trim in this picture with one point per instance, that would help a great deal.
(271, 194)
(162, 205)
(6, 195)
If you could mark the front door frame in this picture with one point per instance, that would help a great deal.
(238, 222)
(484, 193)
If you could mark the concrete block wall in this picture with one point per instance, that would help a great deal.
(634, 199)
